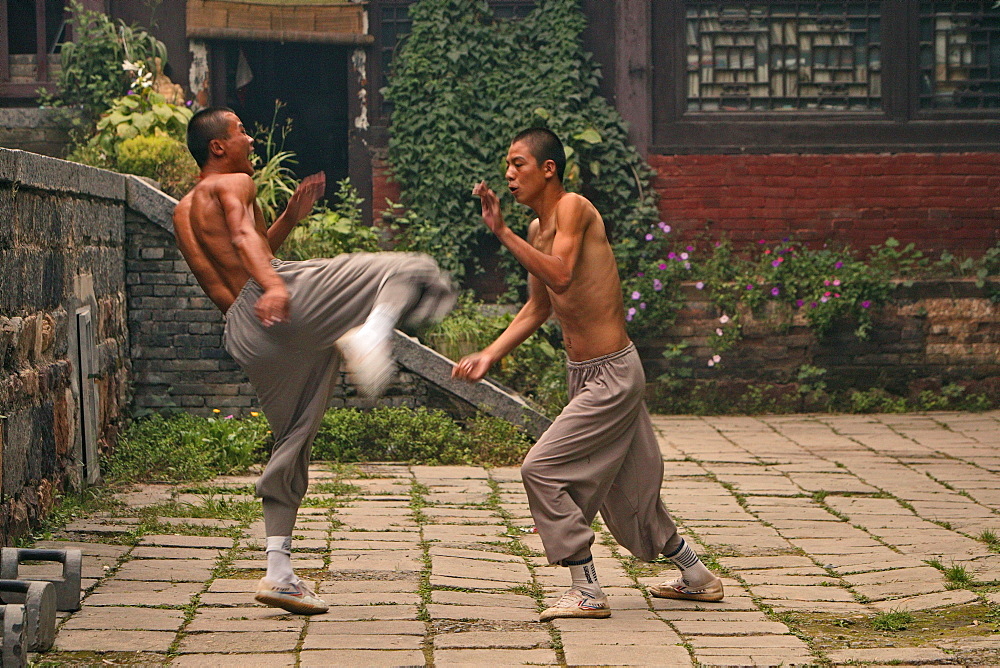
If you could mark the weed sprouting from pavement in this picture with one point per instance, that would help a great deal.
(892, 620)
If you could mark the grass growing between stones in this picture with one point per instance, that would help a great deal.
(897, 628)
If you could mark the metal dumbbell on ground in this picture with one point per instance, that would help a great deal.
(67, 586)
(14, 652)
(39, 600)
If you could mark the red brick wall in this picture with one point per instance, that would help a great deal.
(939, 201)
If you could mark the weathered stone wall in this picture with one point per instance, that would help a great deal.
(61, 253)
(932, 333)
(44, 131)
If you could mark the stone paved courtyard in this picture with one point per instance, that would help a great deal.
(820, 525)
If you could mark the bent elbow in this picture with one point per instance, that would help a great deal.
(561, 284)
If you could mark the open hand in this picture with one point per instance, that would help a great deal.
(305, 196)
(491, 206)
(273, 307)
(472, 367)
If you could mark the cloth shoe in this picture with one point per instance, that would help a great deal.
(575, 603)
(369, 362)
(680, 589)
(297, 597)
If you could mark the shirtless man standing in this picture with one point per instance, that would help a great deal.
(601, 452)
(287, 323)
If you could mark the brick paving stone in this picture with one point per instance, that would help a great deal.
(371, 598)
(495, 657)
(754, 563)
(805, 593)
(124, 618)
(367, 612)
(363, 545)
(367, 628)
(199, 522)
(357, 560)
(126, 592)
(627, 621)
(663, 636)
(695, 628)
(487, 639)
(168, 540)
(87, 549)
(165, 570)
(386, 641)
(228, 642)
(628, 655)
(256, 618)
(928, 601)
(469, 583)
(234, 661)
(399, 535)
(888, 655)
(441, 611)
(401, 585)
(832, 607)
(472, 598)
(157, 552)
(480, 570)
(439, 551)
(113, 641)
(360, 657)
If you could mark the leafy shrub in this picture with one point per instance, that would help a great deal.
(329, 232)
(162, 158)
(91, 76)
(273, 174)
(185, 447)
(461, 87)
(417, 435)
(536, 368)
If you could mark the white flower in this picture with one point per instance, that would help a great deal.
(699, 285)
(711, 362)
(724, 319)
(716, 358)
(718, 331)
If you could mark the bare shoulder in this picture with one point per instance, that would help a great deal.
(576, 209)
(237, 183)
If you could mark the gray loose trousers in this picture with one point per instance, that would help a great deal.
(600, 454)
(292, 365)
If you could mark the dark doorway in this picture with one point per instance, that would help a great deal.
(311, 81)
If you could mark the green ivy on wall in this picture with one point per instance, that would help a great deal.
(463, 84)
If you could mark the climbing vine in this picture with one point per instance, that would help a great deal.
(463, 84)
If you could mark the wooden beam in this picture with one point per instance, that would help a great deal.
(25, 90)
(41, 42)
(252, 35)
(4, 45)
(633, 70)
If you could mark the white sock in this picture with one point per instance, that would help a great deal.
(584, 575)
(380, 323)
(279, 560)
(694, 573)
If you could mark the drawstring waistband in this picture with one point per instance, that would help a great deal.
(597, 361)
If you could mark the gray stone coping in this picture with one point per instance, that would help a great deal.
(31, 170)
(485, 395)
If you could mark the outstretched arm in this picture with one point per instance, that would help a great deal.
(555, 270)
(532, 315)
(236, 194)
(299, 206)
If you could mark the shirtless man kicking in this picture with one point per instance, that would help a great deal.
(288, 323)
(601, 452)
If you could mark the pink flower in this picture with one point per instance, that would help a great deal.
(836, 294)
(636, 294)
(799, 303)
(826, 282)
(813, 305)
(775, 292)
(628, 318)
(642, 305)
(657, 285)
(866, 304)
(711, 362)
(663, 265)
(699, 285)
(690, 248)
(776, 263)
(724, 319)
(716, 358)
(687, 265)
(649, 237)
(684, 256)
(228, 417)
(718, 331)
(838, 265)
(827, 294)
(663, 226)
(824, 299)
(749, 286)
(640, 274)
(836, 281)
(762, 242)
(671, 255)
(631, 311)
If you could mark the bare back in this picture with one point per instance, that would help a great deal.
(206, 241)
(590, 310)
